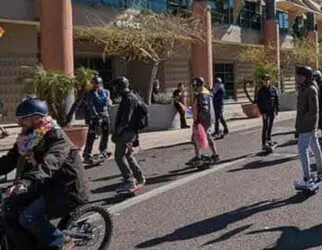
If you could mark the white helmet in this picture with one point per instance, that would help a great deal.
(317, 75)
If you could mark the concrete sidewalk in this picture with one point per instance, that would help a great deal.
(151, 140)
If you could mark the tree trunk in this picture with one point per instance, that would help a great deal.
(154, 72)
(247, 93)
(72, 111)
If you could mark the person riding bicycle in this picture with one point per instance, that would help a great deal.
(49, 180)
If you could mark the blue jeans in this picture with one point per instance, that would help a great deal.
(34, 221)
(305, 142)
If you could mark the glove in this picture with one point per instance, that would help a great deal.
(17, 189)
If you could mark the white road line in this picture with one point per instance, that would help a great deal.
(155, 192)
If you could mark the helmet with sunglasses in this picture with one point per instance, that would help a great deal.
(32, 107)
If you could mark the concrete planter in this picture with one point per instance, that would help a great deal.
(288, 101)
(162, 117)
(251, 110)
(77, 134)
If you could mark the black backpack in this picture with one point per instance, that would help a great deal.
(140, 118)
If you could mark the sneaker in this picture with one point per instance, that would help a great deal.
(142, 181)
(88, 160)
(226, 132)
(194, 160)
(215, 158)
(106, 154)
(309, 184)
(126, 187)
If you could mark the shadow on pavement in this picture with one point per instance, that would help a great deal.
(107, 178)
(261, 164)
(170, 176)
(284, 133)
(287, 144)
(295, 238)
(228, 235)
(220, 222)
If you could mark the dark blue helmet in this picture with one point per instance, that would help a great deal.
(305, 71)
(31, 107)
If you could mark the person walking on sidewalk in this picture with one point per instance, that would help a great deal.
(97, 117)
(218, 99)
(130, 119)
(268, 105)
(307, 123)
(179, 99)
(317, 77)
(203, 113)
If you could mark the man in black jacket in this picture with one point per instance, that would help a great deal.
(126, 136)
(49, 180)
(268, 105)
(317, 77)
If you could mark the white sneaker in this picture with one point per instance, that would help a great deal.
(304, 184)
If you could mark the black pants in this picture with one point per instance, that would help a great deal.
(220, 118)
(268, 120)
(91, 135)
(182, 113)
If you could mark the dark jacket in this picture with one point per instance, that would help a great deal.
(126, 110)
(218, 97)
(203, 110)
(268, 100)
(58, 177)
(307, 109)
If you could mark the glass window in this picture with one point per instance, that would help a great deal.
(222, 11)
(88, 1)
(282, 18)
(251, 15)
(119, 4)
(299, 27)
(226, 73)
(158, 5)
(104, 68)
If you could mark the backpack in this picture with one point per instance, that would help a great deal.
(140, 116)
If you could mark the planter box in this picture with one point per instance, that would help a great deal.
(162, 117)
(251, 110)
(288, 102)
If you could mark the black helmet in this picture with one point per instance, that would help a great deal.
(97, 80)
(199, 81)
(218, 80)
(317, 75)
(120, 83)
(31, 107)
(305, 71)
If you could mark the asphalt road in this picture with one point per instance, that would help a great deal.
(245, 202)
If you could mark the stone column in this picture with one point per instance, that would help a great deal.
(56, 39)
(56, 35)
(271, 33)
(201, 53)
(313, 34)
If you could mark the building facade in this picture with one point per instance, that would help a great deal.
(235, 25)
